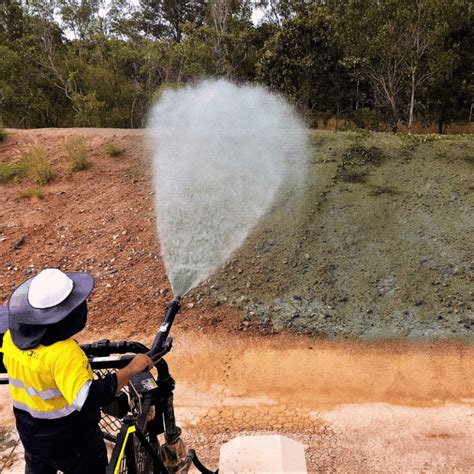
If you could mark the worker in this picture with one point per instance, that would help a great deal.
(56, 400)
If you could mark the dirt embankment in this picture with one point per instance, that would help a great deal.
(100, 220)
(378, 245)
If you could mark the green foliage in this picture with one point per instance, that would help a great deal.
(76, 155)
(166, 86)
(368, 118)
(33, 165)
(304, 62)
(3, 134)
(33, 192)
(114, 150)
(367, 61)
(401, 50)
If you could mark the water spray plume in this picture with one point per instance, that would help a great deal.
(221, 153)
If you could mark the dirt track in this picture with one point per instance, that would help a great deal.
(358, 407)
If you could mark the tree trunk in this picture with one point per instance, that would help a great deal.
(357, 95)
(440, 126)
(395, 113)
(131, 111)
(396, 118)
(412, 100)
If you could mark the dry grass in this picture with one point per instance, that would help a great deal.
(114, 150)
(76, 153)
(10, 172)
(33, 165)
(33, 192)
(347, 124)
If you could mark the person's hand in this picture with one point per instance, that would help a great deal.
(139, 363)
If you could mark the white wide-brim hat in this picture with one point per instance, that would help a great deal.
(49, 297)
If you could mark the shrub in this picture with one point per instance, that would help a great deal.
(34, 192)
(113, 150)
(33, 165)
(3, 134)
(10, 172)
(76, 155)
(37, 167)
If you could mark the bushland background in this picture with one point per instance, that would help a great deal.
(382, 65)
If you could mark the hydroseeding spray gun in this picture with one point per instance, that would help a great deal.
(174, 454)
(163, 343)
(146, 409)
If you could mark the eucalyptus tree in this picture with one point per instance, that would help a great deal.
(304, 61)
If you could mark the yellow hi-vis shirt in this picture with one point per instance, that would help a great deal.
(49, 382)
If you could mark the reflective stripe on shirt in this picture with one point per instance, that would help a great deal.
(43, 394)
(76, 405)
(45, 415)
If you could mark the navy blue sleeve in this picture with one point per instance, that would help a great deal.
(101, 392)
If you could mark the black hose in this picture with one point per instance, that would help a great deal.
(105, 347)
(199, 465)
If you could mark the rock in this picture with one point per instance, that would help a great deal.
(19, 243)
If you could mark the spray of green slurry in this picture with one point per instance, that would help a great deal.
(221, 153)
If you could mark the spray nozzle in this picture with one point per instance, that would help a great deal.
(162, 342)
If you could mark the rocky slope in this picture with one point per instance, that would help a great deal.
(378, 243)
